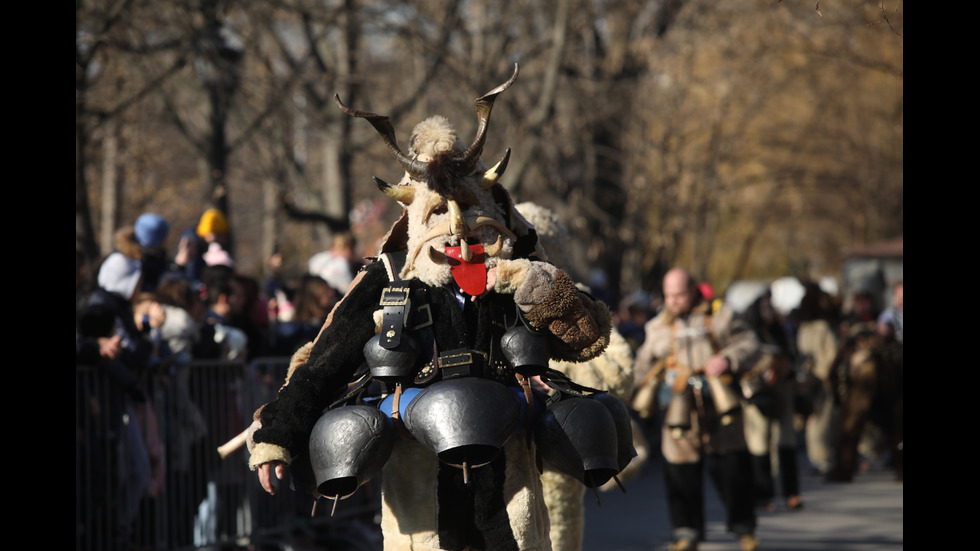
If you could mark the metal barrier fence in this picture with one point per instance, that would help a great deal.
(134, 493)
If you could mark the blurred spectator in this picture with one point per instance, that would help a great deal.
(336, 265)
(891, 322)
(189, 258)
(183, 426)
(213, 227)
(178, 290)
(769, 409)
(867, 380)
(108, 337)
(216, 255)
(149, 317)
(151, 231)
(195, 243)
(816, 343)
(312, 301)
(600, 288)
(694, 354)
(708, 294)
(253, 316)
(634, 312)
(224, 298)
(83, 283)
(863, 313)
(273, 283)
(175, 338)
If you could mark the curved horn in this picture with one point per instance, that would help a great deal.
(457, 225)
(464, 164)
(494, 248)
(416, 169)
(402, 194)
(491, 176)
(473, 223)
(435, 256)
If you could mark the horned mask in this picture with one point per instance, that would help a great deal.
(457, 220)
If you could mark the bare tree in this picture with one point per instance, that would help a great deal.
(744, 139)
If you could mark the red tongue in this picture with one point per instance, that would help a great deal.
(470, 276)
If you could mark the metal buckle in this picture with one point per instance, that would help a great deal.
(455, 358)
(395, 296)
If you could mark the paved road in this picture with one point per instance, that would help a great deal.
(864, 515)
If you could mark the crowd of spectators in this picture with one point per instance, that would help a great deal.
(148, 313)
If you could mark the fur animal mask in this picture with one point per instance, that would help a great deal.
(455, 214)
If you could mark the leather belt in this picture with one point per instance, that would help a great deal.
(396, 305)
(461, 362)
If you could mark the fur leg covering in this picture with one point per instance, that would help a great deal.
(564, 497)
(411, 500)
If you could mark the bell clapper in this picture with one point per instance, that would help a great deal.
(619, 483)
(466, 473)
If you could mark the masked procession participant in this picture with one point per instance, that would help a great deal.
(696, 354)
(612, 371)
(422, 372)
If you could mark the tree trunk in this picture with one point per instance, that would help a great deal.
(110, 187)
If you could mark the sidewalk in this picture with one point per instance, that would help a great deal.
(864, 515)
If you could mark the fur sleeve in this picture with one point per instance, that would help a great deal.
(582, 325)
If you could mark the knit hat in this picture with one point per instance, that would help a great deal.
(151, 230)
(707, 291)
(787, 293)
(212, 221)
(217, 256)
(120, 274)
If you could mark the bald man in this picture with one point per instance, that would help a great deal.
(697, 354)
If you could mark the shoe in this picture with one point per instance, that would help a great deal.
(747, 542)
(794, 503)
(683, 544)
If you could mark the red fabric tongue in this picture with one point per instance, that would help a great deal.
(470, 276)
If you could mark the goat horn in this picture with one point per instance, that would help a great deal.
(494, 248)
(484, 104)
(435, 256)
(492, 176)
(416, 169)
(457, 223)
(402, 194)
(473, 223)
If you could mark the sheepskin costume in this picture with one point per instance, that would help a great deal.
(612, 371)
(473, 268)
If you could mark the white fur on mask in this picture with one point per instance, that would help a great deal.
(430, 138)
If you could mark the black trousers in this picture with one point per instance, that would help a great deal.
(731, 475)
